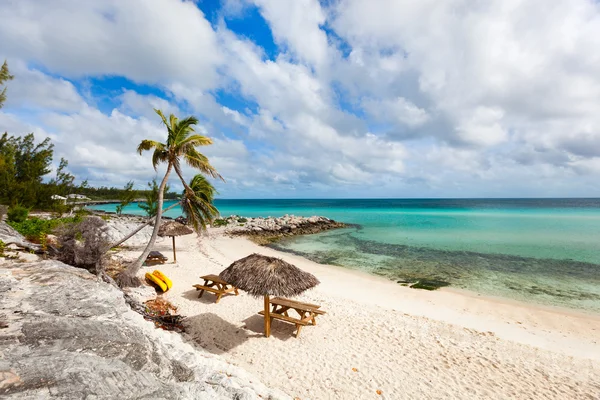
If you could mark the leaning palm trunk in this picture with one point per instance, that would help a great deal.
(129, 276)
(139, 228)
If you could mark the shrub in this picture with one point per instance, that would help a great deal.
(2, 248)
(219, 222)
(17, 213)
(242, 220)
(35, 228)
(84, 244)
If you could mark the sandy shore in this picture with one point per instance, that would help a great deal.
(379, 336)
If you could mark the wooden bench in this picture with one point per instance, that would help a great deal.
(307, 312)
(216, 285)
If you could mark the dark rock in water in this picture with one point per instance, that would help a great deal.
(68, 335)
(429, 284)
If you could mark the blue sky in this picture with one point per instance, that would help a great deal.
(386, 98)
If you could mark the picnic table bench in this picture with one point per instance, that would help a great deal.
(306, 312)
(156, 257)
(216, 285)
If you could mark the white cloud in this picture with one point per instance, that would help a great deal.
(156, 41)
(297, 25)
(32, 89)
(398, 110)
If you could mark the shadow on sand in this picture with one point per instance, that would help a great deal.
(214, 334)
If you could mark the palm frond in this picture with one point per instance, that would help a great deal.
(149, 145)
(194, 141)
(183, 129)
(159, 156)
(197, 202)
(199, 161)
(162, 116)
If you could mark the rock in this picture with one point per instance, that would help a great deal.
(270, 229)
(28, 257)
(119, 227)
(9, 235)
(141, 293)
(68, 335)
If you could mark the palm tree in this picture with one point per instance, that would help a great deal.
(198, 208)
(181, 144)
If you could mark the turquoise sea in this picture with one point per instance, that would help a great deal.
(545, 251)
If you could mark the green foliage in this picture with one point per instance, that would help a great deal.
(17, 213)
(4, 76)
(35, 228)
(219, 222)
(242, 220)
(23, 164)
(197, 202)
(2, 248)
(126, 197)
(151, 196)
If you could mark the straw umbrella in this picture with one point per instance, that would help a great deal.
(268, 276)
(172, 228)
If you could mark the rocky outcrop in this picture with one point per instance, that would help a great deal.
(121, 226)
(274, 228)
(64, 334)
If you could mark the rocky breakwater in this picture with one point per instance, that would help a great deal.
(268, 230)
(64, 334)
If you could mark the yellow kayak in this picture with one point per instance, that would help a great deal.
(163, 278)
(157, 281)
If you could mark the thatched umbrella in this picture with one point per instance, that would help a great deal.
(172, 228)
(268, 276)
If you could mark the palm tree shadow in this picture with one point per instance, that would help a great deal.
(280, 330)
(214, 334)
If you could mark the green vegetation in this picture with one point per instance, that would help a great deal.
(219, 222)
(151, 203)
(197, 202)
(36, 229)
(17, 213)
(4, 76)
(2, 248)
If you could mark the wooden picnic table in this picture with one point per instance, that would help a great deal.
(305, 313)
(216, 285)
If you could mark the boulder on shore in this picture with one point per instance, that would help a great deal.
(65, 334)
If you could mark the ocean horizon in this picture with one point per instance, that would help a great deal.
(537, 250)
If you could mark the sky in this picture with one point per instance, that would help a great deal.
(317, 99)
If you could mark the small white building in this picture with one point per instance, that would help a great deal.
(77, 197)
(59, 198)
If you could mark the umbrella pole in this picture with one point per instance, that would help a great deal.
(267, 317)
(174, 255)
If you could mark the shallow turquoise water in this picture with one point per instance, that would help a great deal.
(541, 250)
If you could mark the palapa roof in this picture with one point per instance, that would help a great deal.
(173, 228)
(261, 275)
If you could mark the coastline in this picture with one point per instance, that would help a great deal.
(403, 341)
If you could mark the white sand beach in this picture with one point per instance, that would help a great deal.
(381, 340)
